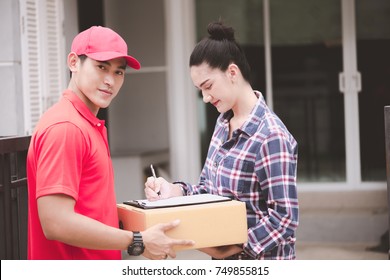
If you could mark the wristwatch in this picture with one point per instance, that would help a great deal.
(136, 247)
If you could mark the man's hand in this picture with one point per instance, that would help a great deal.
(150, 256)
(158, 244)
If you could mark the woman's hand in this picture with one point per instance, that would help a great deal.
(221, 251)
(159, 188)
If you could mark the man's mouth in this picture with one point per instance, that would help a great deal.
(105, 91)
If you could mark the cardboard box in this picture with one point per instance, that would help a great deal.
(209, 225)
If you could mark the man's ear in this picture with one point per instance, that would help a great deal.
(73, 61)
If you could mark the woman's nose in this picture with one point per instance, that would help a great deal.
(206, 98)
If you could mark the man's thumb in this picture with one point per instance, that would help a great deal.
(170, 225)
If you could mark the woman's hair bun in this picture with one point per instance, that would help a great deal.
(220, 32)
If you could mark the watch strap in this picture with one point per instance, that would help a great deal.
(136, 247)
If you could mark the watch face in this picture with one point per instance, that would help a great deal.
(138, 249)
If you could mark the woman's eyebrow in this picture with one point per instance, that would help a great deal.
(204, 83)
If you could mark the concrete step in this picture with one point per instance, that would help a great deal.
(343, 217)
(342, 226)
(338, 251)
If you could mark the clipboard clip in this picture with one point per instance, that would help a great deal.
(136, 203)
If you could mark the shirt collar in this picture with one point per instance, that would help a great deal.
(251, 124)
(82, 108)
(255, 117)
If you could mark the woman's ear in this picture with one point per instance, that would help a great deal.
(73, 61)
(233, 71)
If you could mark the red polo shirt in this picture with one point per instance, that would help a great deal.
(69, 155)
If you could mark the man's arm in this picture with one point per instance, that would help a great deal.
(60, 222)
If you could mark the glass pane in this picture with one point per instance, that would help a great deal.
(245, 16)
(306, 61)
(373, 50)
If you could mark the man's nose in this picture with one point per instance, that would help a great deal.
(108, 80)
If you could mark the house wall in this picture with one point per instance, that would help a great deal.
(70, 25)
(138, 117)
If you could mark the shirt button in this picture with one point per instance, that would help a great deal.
(215, 164)
(98, 124)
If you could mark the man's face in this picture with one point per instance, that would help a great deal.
(98, 82)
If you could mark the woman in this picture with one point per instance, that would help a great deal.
(252, 156)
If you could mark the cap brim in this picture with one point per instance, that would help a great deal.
(104, 56)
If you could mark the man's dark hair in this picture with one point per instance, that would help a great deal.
(82, 57)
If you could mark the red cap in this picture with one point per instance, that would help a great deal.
(102, 44)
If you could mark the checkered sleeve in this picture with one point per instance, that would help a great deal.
(202, 187)
(275, 168)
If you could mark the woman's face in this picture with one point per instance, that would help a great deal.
(216, 86)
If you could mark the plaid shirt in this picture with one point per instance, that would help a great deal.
(257, 166)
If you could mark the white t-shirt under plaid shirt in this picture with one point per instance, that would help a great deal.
(258, 166)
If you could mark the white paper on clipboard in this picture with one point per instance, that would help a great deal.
(177, 201)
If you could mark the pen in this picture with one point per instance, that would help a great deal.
(154, 175)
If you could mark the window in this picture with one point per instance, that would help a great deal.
(42, 57)
(328, 80)
(373, 44)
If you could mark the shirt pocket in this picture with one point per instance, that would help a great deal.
(238, 174)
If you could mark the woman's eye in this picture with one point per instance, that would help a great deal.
(208, 87)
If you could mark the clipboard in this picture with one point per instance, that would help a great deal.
(177, 201)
